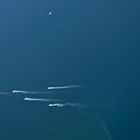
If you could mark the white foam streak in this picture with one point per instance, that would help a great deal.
(56, 105)
(29, 92)
(40, 99)
(65, 104)
(20, 91)
(63, 87)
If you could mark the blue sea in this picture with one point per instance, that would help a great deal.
(91, 43)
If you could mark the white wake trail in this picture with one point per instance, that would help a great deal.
(65, 104)
(29, 92)
(40, 100)
(56, 105)
(20, 91)
(63, 87)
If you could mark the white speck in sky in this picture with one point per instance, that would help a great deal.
(50, 13)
